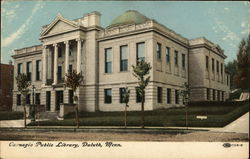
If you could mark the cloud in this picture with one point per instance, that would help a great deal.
(245, 32)
(227, 35)
(243, 24)
(21, 30)
(226, 9)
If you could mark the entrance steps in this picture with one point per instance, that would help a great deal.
(48, 115)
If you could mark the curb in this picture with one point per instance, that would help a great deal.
(107, 130)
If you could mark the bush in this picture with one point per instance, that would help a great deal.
(11, 115)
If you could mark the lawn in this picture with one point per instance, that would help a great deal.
(218, 114)
(6, 115)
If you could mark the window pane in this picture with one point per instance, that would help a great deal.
(108, 57)
(158, 51)
(176, 97)
(107, 96)
(122, 92)
(212, 64)
(168, 95)
(183, 60)
(37, 100)
(176, 57)
(28, 70)
(123, 58)
(159, 94)
(19, 69)
(207, 62)
(124, 54)
(140, 48)
(167, 54)
(108, 61)
(124, 65)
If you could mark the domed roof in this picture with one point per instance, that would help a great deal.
(129, 17)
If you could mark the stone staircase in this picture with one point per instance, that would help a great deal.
(48, 115)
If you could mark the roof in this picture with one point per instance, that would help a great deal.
(129, 17)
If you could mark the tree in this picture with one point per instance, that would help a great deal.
(243, 61)
(185, 93)
(231, 67)
(125, 99)
(140, 71)
(22, 84)
(73, 81)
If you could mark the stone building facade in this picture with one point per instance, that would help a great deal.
(104, 56)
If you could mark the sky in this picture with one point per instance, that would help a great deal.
(224, 23)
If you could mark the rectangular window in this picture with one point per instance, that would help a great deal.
(176, 58)
(167, 54)
(207, 65)
(213, 94)
(108, 60)
(158, 51)
(176, 97)
(221, 68)
(28, 99)
(19, 68)
(168, 95)
(122, 92)
(71, 97)
(70, 68)
(183, 60)
(227, 80)
(37, 99)
(218, 95)
(208, 93)
(212, 64)
(59, 52)
(140, 51)
(38, 70)
(70, 50)
(59, 73)
(138, 96)
(159, 94)
(108, 96)
(18, 99)
(217, 66)
(124, 58)
(29, 70)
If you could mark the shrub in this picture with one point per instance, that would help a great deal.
(11, 115)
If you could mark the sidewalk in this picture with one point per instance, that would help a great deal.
(240, 125)
(13, 123)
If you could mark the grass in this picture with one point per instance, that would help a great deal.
(218, 115)
(6, 115)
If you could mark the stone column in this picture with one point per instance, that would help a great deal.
(66, 57)
(44, 65)
(55, 62)
(78, 63)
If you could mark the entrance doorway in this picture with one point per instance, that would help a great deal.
(59, 99)
(48, 96)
